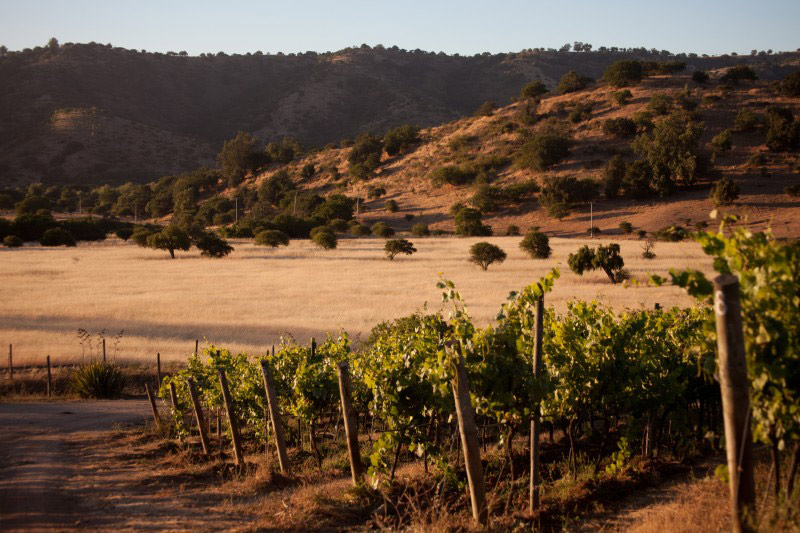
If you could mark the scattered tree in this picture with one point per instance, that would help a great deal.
(542, 151)
(272, 238)
(603, 257)
(57, 237)
(626, 227)
(12, 241)
(620, 98)
(620, 127)
(325, 239)
(486, 109)
(533, 89)
(724, 192)
(571, 82)
(381, 229)
(469, 223)
(398, 246)
(790, 86)
(623, 72)
(783, 131)
(484, 254)
(512, 230)
(240, 156)
(699, 76)
(391, 206)
(212, 245)
(648, 252)
(401, 139)
(170, 239)
(420, 230)
(536, 244)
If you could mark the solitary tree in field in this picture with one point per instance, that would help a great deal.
(325, 239)
(606, 258)
(272, 238)
(536, 244)
(212, 245)
(170, 239)
(484, 254)
(398, 246)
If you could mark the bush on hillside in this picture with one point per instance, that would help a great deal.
(453, 175)
(620, 98)
(724, 192)
(542, 151)
(790, 86)
(381, 229)
(571, 82)
(420, 230)
(746, 120)
(626, 227)
(783, 131)
(240, 156)
(401, 139)
(699, 76)
(623, 72)
(391, 206)
(512, 230)
(469, 223)
(660, 104)
(722, 141)
(620, 127)
(533, 89)
(739, 72)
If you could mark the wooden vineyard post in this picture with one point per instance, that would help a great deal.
(198, 414)
(735, 400)
(536, 422)
(173, 397)
(350, 426)
(158, 368)
(104, 350)
(226, 395)
(469, 440)
(313, 348)
(275, 417)
(49, 378)
(153, 405)
(196, 346)
(10, 362)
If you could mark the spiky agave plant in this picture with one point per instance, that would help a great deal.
(98, 380)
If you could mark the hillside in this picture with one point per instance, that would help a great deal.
(91, 113)
(761, 175)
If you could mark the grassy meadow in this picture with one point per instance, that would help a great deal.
(250, 299)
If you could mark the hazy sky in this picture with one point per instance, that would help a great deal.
(466, 26)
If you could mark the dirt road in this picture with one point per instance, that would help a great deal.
(39, 460)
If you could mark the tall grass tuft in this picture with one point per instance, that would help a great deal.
(98, 380)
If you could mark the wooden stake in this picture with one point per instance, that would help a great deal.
(469, 440)
(350, 425)
(536, 423)
(153, 405)
(173, 396)
(104, 350)
(158, 368)
(196, 346)
(313, 348)
(198, 415)
(49, 378)
(735, 400)
(275, 417)
(226, 395)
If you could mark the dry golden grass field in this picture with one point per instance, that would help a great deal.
(250, 299)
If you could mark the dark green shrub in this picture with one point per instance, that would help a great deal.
(580, 113)
(453, 175)
(31, 227)
(746, 120)
(642, 233)
(401, 139)
(212, 245)
(487, 198)
(724, 192)
(409, 217)
(240, 156)
(791, 190)
(57, 237)
(783, 131)
(536, 244)
(722, 141)
(620, 98)
(620, 127)
(623, 72)
(285, 151)
(360, 230)
(398, 246)
(31, 205)
(603, 257)
(272, 238)
(673, 233)
(561, 192)
(325, 239)
(626, 227)
(533, 89)
(366, 152)
(335, 206)
(274, 188)
(469, 223)
(637, 181)
(613, 176)
(140, 235)
(308, 170)
(375, 192)
(517, 192)
(98, 380)
(85, 229)
(512, 230)
(391, 206)
(739, 72)
(124, 233)
(593, 230)
(12, 241)
(420, 230)
(660, 104)
(571, 82)
(338, 225)
(542, 151)
(484, 254)
(381, 229)
(699, 76)
(790, 86)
